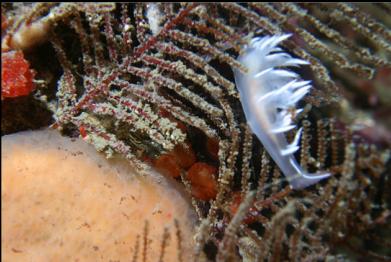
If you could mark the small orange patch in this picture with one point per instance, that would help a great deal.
(201, 176)
(82, 131)
(184, 155)
(167, 165)
(212, 146)
(252, 212)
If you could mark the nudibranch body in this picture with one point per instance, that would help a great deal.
(267, 92)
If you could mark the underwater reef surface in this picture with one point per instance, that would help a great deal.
(154, 84)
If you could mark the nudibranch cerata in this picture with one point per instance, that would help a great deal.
(267, 92)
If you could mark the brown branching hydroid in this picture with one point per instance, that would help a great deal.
(121, 68)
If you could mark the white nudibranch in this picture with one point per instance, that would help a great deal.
(267, 92)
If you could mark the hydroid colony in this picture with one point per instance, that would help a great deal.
(117, 69)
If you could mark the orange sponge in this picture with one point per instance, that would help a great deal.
(62, 201)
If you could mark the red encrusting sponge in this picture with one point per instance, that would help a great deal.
(16, 75)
